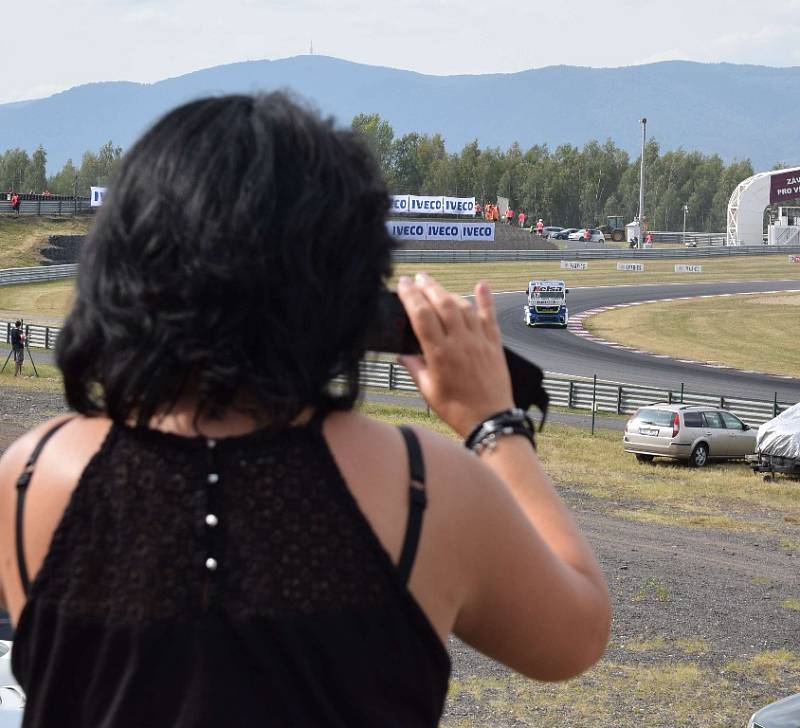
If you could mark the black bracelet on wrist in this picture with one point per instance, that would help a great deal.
(508, 422)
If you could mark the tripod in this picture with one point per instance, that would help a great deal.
(33, 364)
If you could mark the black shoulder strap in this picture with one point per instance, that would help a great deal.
(22, 490)
(417, 502)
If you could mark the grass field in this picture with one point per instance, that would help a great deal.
(767, 325)
(21, 238)
(461, 277)
(52, 300)
(727, 496)
(38, 303)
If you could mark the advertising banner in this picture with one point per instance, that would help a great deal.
(97, 196)
(419, 204)
(794, 258)
(427, 230)
(442, 231)
(406, 230)
(477, 231)
(688, 268)
(428, 205)
(574, 265)
(399, 205)
(784, 186)
(459, 206)
(635, 267)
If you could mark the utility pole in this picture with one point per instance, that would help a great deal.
(641, 179)
(685, 210)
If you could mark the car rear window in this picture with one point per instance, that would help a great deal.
(692, 419)
(660, 418)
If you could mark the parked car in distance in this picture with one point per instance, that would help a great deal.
(691, 243)
(696, 434)
(595, 235)
(549, 231)
(780, 714)
(562, 234)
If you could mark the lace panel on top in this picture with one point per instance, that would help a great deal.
(261, 525)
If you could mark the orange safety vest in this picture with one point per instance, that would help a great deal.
(587, 234)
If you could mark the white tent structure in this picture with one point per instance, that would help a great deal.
(751, 197)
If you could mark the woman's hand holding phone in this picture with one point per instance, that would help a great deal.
(462, 372)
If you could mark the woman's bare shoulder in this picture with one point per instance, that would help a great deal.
(78, 438)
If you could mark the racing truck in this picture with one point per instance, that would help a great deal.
(547, 304)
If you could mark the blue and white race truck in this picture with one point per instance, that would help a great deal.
(547, 304)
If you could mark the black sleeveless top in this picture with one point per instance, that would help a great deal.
(229, 582)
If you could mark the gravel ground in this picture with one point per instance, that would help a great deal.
(706, 622)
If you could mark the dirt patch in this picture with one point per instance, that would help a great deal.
(705, 621)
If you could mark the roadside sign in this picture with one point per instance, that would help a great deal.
(574, 265)
(688, 268)
(635, 267)
(794, 258)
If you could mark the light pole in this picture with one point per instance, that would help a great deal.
(641, 177)
(685, 210)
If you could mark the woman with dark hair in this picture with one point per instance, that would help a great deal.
(216, 536)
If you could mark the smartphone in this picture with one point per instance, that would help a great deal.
(391, 333)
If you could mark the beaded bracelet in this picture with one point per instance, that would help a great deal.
(501, 424)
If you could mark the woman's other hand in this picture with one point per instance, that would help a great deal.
(462, 372)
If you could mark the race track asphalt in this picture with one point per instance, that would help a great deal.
(559, 351)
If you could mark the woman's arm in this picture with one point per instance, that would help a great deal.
(535, 597)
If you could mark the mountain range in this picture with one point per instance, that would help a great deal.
(736, 111)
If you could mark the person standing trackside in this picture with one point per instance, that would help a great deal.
(539, 226)
(18, 347)
(587, 235)
(521, 219)
(509, 215)
(15, 202)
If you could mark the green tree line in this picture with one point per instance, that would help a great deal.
(567, 186)
(28, 173)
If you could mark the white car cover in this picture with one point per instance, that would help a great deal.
(781, 435)
(12, 700)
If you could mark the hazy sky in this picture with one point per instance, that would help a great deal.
(51, 45)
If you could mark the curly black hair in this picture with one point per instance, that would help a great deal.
(238, 254)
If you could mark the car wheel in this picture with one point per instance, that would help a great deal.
(642, 458)
(699, 456)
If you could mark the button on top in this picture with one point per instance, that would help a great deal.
(211, 520)
(211, 564)
(211, 443)
(213, 478)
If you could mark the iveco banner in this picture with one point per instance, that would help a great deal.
(784, 186)
(478, 232)
(427, 205)
(97, 196)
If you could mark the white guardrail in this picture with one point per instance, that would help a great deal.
(642, 256)
(11, 276)
(573, 392)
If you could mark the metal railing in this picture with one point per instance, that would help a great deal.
(572, 392)
(664, 236)
(46, 206)
(582, 394)
(38, 274)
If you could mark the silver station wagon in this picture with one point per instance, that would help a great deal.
(695, 434)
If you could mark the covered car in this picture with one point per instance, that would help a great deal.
(778, 444)
(12, 699)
